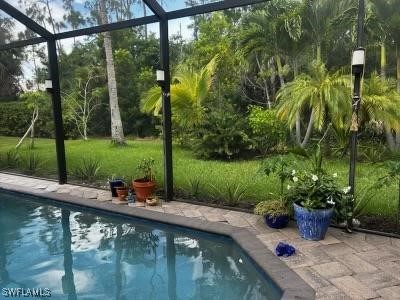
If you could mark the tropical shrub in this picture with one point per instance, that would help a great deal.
(188, 94)
(268, 130)
(223, 135)
(87, 170)
(31, 163)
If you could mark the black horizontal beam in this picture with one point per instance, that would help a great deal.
(210, 7)
(24, 19)
(186, 12)
(107, 27)
(156, 8)
(24, 43)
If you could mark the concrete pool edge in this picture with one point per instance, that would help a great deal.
(291, 284)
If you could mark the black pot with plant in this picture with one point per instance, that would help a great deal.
(275, 212)
(114, 184)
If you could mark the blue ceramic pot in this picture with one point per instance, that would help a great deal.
(113, 186)
(312, 224)
(276, 222)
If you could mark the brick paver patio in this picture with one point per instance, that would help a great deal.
(343, 266)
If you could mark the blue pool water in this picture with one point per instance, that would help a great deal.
(92, 255)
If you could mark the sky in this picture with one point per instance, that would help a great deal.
(58, 12)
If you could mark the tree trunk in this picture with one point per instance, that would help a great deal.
(398, 67)
(117, 132)
(280, 70)
(309, 129)
(389, 138)
(298, 129)
(145, 14)
(32, 145)
(319, 56)
(383, 60)
(35, 116)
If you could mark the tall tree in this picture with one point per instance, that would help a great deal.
(322, 18)
(10, 62)
(117, 131)
(322, 95)
(387, 14)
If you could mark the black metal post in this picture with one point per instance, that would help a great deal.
(356, 102)
(166, 108)
(57, 111)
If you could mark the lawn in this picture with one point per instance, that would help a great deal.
(211, 178)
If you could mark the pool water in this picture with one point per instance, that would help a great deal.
(92, 255)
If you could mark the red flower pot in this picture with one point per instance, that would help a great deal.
(143, 189)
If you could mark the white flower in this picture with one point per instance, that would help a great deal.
(314, 177)
(334, 175)
(295, 179)
(347, 189)
(288, 187)
(293, 172)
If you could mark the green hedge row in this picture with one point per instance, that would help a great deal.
(15, 119)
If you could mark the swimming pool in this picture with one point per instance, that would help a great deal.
(78, 254)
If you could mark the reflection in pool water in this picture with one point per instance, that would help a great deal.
(81, 255)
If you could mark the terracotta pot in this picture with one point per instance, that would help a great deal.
(122, 193)
(143, 189)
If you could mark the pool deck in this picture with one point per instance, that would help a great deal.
(343, 266)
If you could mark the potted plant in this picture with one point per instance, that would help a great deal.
(114, 183)
(276, 213)
(144, 185)
(122, 192)
(314, 195)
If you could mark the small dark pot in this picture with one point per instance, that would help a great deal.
(312, 224)
(113, 186)
(276, 222)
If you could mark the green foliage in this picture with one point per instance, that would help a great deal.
(223, 135)
(188, 94)
(195, 187)
(146, 169)
(275, 208)
(229, 193)
(326, 94)
(12, 159)
(314, 191)
(283, 167)
(31, 163)
(268, 130)
(381, 102)
(88, 169)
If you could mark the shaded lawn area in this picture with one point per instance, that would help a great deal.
(213, 177)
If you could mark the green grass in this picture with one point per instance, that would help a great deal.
(122, 161)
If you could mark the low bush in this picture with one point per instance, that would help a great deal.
(224, 135)
(268, 131)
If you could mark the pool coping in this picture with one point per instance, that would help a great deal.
(291, 284)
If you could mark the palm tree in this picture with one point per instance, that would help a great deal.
(322, 18)
(188, 93)
(321, 95)
(273, 32)
(387, 22)
(117, 131)
(380, 103)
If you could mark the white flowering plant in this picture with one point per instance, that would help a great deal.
(314, 191)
